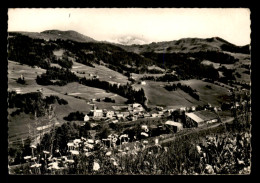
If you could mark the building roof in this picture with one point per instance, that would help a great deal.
(99, 110)
(124, 112)
(200, 116)
(153, 126)
(173, 123)
(194, 117)
(206, 115)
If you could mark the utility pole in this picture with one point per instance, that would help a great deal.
(51, 116)
(35, 128)
(22, 142)
(29, 131)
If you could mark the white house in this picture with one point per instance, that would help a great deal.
(119, 115)
(183, 109)
(159, 108)
(115, 121)
(125, 114)
(86, 118)
(110, 114)
(137, 107)
(143, 83)
(144, 127)
(154, 115)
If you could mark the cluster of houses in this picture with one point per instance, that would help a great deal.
(135, 111)
(130, 112)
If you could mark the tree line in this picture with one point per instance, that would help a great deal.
(165, 78)
(63, 76)
(126, 91)
(33, 102)
(185, 88)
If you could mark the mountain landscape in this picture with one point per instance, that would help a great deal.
(56, 79)
(57, 34)
(129, 40)
(189, 45)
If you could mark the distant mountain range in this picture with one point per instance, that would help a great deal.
(187, 45)
(139, 45)
(183, 56)
(57, 34)
(128, 40)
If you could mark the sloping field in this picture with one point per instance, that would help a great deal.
(72, 89)
(214, 96)
(158, 95)
(104, 73)
(18, 125)
(15, 70)
(87, 93)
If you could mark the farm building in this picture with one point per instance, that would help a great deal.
(167, 113)
(109, 114)
(133, 117)
(125, 114)
(183, 109)
(160, 113)
(147, 115)
(143, 83)
(154, 115)
(173, 126)
(135, 107)
(144, 127)
(115, 121)
(200, 118)
(119, 115)
(159, 108)
(86, 118)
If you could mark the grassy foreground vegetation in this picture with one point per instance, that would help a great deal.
(225, 149)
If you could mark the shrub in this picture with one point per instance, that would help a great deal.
(21, 81)
(75, 116)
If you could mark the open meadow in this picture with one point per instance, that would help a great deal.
(77, 95)
(158, 95)
(214, 95)
(104, 73)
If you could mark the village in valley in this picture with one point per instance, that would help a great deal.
(81, 106)
(149, 129)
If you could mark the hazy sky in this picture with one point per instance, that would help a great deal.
(151, 24)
